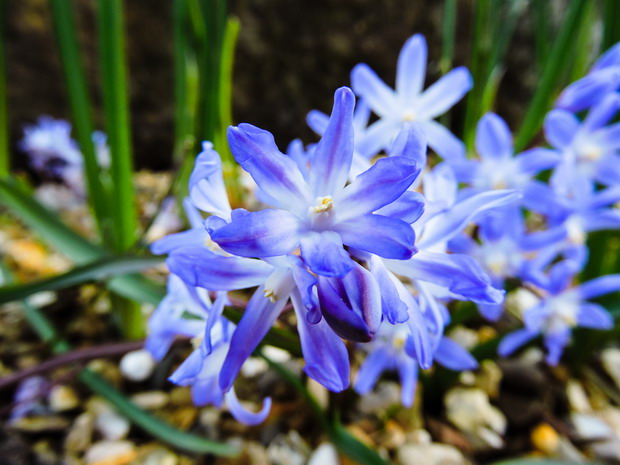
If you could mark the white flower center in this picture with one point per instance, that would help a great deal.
(322, 205)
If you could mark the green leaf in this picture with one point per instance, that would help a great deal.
(611, 20)
(96, 271)
(77, 90)
(114, 77)
(558, 62)
(532, 461)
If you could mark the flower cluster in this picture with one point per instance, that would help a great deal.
(369, 241)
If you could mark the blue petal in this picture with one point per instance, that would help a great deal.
(594, 316)
(537, 159)
(408, 373)
(411, 68)
(408, 207)
(325, 355)
(332, 157)
(445, 226)
(560, 128)
(381, 235)
(324, 254)
(191, 237)
(555, 343)
(602, 113)
(491, 312)
(188, 370)
(215, 314)
(266, 233)
(380, 185)
(442, 141)
(393, 308)
(197, 266)
(379, 360)
(304, 280)
(589, 90)
(451, 355)
(444, 94)
(373, 90)
(206, 184)
(258, 317)
(377, 137)
(599, 286)
(512, 341)
(276, 174)
(244, 416)
(461, 274)
(611, 57)
(318, 121)
(410, 142)
(493, 137)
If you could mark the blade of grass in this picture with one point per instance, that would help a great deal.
(344, 441)
(559, 58)
(611, 24)
(64, 25)
(115, 100)
(542, 31)
(584, 54)
(5, 157)
(447, 45)
(147, 422)
(95, 271)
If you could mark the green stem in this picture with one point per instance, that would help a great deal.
(611, 24)
(448, 38)
(112, 50)
(64, 25)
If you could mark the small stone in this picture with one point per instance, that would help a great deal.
(111, 453)
(607, 450)
(610, 359)
(80, 435)
(276, 354)
(290, 449)
(151, 400)
(112, 425)
(420, 436)
(590, 428)
(545, 438)
(466, 337)
(40, 424)
(469, 410)
(158, 456)
(45, 453)
(429, 454)
(254, 366)
(63, 398)
(325, 454)
(181, 395)
(489, 378)
(137, 365)
(577, 397)
(184, 417)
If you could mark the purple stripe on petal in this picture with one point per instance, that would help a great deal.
(381, 235)
(275, 173)
(331, 162)
(258, 317)
(266, 233)
(380, 185)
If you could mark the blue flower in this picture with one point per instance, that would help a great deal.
(588, 148)
(319, 215)
(409, 103)
(497, 167)
(562, 307)
(603, 79)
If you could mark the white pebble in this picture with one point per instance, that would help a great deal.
(137, 365)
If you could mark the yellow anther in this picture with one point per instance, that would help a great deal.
(271, 295)
(409, 116)
(323, 204)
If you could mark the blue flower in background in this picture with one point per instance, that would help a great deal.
(320, 215)
(562, 307)
(603, 78)
(497, 167)
(409, 103)
(588, 148)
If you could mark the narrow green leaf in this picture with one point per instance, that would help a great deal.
(114, 74)
(447, 44)
(559, 58)
(533, 461)
(96, 271)
(64, 25)
(5, 156)
(182, 108)
(542, 31)
(611, 24)
(152, 425)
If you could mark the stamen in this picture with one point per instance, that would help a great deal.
(271, 295)
(322, 205)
